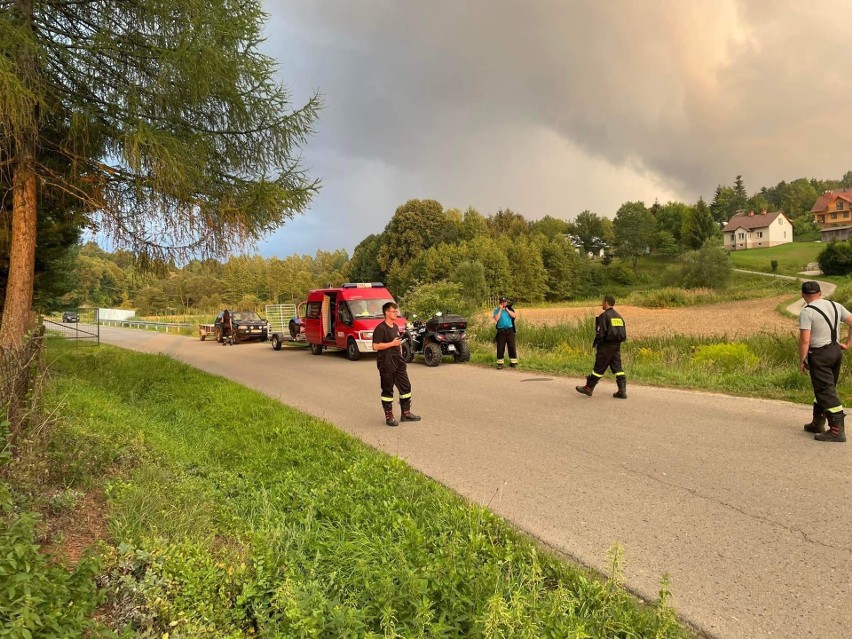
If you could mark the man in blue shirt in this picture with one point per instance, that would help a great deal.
(504, 316)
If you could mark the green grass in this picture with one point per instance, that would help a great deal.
(673, 361)
(233, 515)
(792, 258)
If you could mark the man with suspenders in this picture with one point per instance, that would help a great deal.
(821, 353)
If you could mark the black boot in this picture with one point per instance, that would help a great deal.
(407, 415)
(836, 430)
(389, 420)
(589, 388)
(817, 423)
(621, 380)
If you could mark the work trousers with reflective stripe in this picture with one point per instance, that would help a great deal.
(506, 337)
(824, 366)
(398, 378)
(608, 355)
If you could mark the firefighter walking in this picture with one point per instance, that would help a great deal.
(609, 333)
(392, 369)
(821, 354)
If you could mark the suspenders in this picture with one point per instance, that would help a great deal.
(827, 321)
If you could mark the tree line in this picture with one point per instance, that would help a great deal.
(473, 256)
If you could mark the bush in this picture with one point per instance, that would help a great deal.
(426, 299)
(662, 298)
(708, 267)
(727, 357)
(773, 265)
(836, 259)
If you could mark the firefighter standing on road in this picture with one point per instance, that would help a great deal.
(392, 370)
(609, 333)
(821, 353)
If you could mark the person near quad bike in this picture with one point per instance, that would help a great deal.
(609, 333)
(504, 317)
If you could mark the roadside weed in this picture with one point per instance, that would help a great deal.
(237, 516)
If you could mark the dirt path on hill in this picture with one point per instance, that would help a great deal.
(731, 319)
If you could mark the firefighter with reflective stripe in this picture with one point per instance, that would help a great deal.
(610, 331)
(392, 370)
(821, 353)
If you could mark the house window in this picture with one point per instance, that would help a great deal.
(760, 234)
(742, 235)
(834, 216)
(785, 235)
(839, 206)
(780, 221)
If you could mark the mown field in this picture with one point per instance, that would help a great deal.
(226, 514)
(792, 258)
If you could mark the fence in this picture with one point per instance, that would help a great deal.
(148, 325)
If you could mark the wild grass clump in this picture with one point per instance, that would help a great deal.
(726, 357)
(39, 596)
(244, 517)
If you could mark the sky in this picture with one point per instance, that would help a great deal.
(553, 107)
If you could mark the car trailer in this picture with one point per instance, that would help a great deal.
(284, 324)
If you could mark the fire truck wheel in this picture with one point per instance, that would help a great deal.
(276, 342)
(463, 352)
(316, 349)
(352, 351)
(432, 354)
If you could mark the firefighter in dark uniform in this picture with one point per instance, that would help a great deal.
(821, 353)
(609, 333)
(386, 343)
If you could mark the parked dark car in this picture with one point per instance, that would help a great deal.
(247, 325)
(70, 317)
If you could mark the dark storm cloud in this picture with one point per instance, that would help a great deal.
(554, 107)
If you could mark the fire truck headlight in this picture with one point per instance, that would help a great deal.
(366, 334)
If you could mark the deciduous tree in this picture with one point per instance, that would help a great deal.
(635, 231)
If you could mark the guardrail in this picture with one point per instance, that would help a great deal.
(147, 325)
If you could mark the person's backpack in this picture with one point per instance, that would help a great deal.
(616, 332)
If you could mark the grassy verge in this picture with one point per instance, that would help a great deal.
(764, 365)
(792, 258)
(232, 516)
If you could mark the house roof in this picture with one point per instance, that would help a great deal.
(751, 220)
(828, 197)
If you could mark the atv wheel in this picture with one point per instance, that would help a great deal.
(276, 342)
(316, 349)
(219, 335)
(432, 354)
(352, 352)
(407, 352)
(294, 329)
(462, 353)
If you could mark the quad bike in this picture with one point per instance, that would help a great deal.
(438, 336)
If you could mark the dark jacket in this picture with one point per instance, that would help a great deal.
(609, 328)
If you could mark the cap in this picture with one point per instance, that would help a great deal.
(810, 287)
(504, 299)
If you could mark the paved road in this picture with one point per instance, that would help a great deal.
(750, 517)
(796, 307)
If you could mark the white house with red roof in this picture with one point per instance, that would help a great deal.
(833, 214)
(747, 230)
